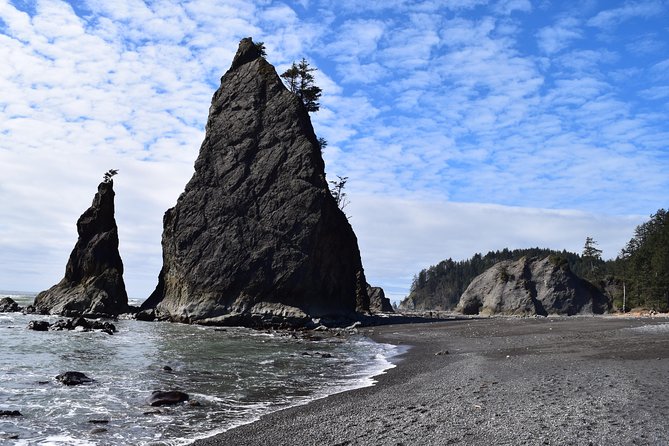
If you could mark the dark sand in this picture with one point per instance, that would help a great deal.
(504, 381)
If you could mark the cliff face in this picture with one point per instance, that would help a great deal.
(378, 302)
(256, 229)
(531, 287)
(93, 283)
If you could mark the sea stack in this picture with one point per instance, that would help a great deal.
(532, 286)
(256, 235)
(93, 284)
(378, 302)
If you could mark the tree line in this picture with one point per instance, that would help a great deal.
(637, 277)
(440, 286)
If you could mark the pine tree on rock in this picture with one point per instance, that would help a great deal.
(301, 82)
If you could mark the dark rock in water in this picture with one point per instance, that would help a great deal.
(74, 378)
(167, 368)
(378, 302)
(146, 315)
(98, 430)
(38, 325)
(10, 413)
(8, 305)
(160, 398)
(30, 309)
(62, 324)
(87, 324)
(93, 283)
(132, 309)
(256, 231)
(83, 324)
(529, 287)
(95, 421)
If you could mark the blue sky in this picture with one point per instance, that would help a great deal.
(463, 125)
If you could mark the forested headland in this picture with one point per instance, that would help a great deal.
(637, 278)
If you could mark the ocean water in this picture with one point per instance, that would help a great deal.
(236, 375)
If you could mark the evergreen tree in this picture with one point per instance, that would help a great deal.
(337, 191)
(647, 263)
(260, 46)
(590, 250)
(108, 175)
(592, 255)
(300, 81)
(322, 143)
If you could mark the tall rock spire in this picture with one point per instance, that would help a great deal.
(93, 283)
(256, 230)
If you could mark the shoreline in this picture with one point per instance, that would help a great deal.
(579, 380)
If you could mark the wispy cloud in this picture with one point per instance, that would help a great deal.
(612, 17)
(559, 36)
(506, 7)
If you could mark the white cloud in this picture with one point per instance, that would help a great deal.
(656, 93)
(553, 39)
(506, 7)
(661, 70)
(462, 4)
(400, 236)
(613, 17)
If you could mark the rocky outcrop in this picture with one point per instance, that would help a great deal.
(93, 283)
(531, 286)
(378, 302)
(8, 305)
(256, 231)
(39, 325)
(74, 379)
(166, 398)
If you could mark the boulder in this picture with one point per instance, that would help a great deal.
(532, 286)
(30, 309)
(146, 315)
(378, 302)
(10, 413)
(93, 283)
(256, 230)
(38, 325)
(83, 324)
(74, 378)
(164, 398)
(8, 305)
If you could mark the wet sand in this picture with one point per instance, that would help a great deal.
(498, 381)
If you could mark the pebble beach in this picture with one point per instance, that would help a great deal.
(497, 381)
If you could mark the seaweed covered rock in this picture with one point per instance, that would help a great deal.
(531, 286)
(256, 231)
(93, 283)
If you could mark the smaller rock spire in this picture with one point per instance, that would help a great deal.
(93, 283)
(247, 52)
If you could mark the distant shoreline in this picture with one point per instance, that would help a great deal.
(556, 380)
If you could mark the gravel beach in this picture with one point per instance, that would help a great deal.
(497, 381)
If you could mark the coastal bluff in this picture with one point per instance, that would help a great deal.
(256, 234)
(532, 286)
(93, 284)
